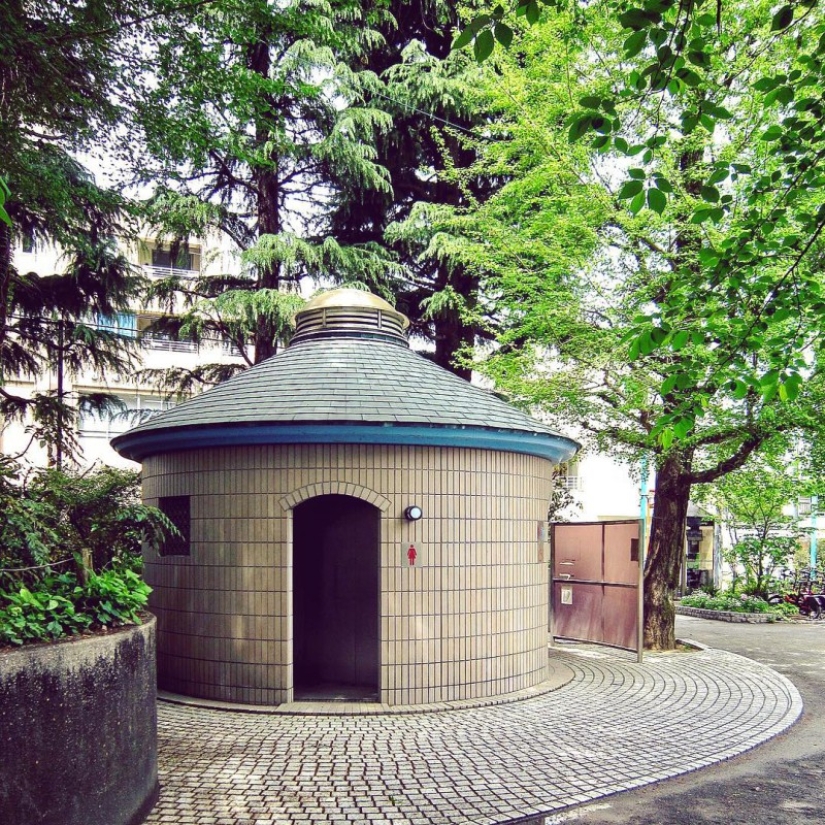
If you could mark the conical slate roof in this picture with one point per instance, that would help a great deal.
(347, 377)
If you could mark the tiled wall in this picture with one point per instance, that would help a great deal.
(469, 620)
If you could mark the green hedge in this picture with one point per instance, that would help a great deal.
(736, 603)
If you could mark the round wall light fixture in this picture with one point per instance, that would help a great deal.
(413, 513)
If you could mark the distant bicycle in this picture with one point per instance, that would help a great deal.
(811, 604)
(808, 595)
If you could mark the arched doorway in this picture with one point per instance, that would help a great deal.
(335, 569)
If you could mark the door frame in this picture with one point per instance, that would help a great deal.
(288, 504)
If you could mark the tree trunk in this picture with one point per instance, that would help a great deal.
(5, 280)
(451, 332)
(267, 188)
(670, 502)
(666, 549)
(269, 223)
(59, 367)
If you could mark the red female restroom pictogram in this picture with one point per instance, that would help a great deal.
(411, 555)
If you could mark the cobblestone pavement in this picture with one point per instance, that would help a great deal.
(617, 725)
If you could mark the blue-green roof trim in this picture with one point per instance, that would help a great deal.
(139, 445)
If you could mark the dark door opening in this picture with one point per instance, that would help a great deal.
(335, 574)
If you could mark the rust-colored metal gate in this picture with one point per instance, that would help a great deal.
(594, 585)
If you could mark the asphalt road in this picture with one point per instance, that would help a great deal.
(779, 783)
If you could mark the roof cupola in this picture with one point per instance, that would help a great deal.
(349, 313)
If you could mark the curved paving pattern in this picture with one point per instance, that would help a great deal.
(617, 725)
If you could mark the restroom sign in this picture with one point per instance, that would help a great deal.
(411, 556)
(567, 595)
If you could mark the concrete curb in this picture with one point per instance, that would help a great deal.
(728, 615)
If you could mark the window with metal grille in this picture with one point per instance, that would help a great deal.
(805, 506)
(176, 509)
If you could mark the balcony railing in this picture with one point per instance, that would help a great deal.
(571, 483)
(157, 272)
(159, 344)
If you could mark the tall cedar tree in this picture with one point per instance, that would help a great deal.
(430, 96)
(254, 113)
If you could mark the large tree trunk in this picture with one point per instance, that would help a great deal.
(267, 188)
(670, 502)
(666, 549)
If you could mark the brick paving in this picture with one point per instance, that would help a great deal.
(616, 725)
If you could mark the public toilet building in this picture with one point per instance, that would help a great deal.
(354, 521)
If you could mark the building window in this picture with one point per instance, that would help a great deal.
(108, 423)
(123, 323)
(161, 341)
(805, 507)
(180, 258)
(177, 510)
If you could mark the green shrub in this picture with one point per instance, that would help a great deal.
(115, 597)
(95, 517)
(90, 527)
(59, 605)
(786, 609)
(729, 602)
(38, 615)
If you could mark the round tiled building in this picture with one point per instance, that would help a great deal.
(355, 521)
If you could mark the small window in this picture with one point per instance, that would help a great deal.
(178, 258)
(176, 509)
(122, 323)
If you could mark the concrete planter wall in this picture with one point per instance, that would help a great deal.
(78, 731)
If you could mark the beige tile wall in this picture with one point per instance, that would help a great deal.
(468, 621)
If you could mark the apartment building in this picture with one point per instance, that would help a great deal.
(138, 395)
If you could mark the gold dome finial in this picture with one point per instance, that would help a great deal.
(348, 311)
